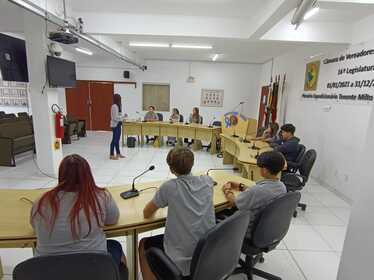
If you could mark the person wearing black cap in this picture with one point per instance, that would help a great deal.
(288, 145)
(255, 199)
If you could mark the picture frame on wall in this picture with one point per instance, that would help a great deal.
(212, 97)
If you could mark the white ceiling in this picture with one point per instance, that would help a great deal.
(343, 15)
(243, 49)
(216, 8)
(232, 50)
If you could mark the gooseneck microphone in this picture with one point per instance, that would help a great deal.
(134, 192)
(232, 168)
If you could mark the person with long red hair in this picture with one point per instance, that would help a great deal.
(70, 217)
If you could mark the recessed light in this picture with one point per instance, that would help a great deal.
(85, 51)
(311, 13)
(152, 45)
(184, 46)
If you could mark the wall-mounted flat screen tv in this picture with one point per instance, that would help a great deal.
(13, 60)
(61, 72)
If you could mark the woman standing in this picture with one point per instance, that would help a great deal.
(70, 217)
(116, 125)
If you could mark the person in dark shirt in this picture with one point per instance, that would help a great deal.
(288, 145)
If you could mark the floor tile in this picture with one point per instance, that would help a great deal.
(333, 235)
(322, 216)
(331, 200)
(304, 237)
(280, 263)
(317, 265)
(341, 213)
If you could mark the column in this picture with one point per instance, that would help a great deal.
(48, 158)
(358, 252)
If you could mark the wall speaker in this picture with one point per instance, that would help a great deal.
(126, 74)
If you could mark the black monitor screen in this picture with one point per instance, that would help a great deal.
(13, 61)
(61, 72)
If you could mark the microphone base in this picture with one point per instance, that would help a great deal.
(129, 194)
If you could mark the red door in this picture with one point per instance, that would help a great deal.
(263, 105)
(77, 102)
(101, 97)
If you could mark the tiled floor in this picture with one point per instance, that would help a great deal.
(310, 251)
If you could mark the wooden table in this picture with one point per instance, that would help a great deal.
(243, 155)
(198, 132)
(16, 231)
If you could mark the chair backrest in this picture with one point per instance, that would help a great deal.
(217, 123)
(23, 115)
(307, 164)
(300, 153)
(181, 119)
(260, 131)
(10, 116)
(160, 117)
(274, 221)
(217, 253)
(73, 267)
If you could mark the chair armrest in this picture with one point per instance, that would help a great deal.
(162, 266)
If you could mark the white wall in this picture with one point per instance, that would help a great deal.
(337, 135)
(239, 81)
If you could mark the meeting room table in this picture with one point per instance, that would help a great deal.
(197, 132)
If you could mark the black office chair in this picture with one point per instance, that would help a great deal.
(23, 115)
(293, 166)
(297, 181)
(215, 257)
(217, 124)
(181, 119)
(272, 226)
(80, 266)
(160, 117)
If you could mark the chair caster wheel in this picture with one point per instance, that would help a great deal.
(295, 214)
(261, 260)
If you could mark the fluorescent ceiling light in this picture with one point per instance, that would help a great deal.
(85, 51)
(183, 46)
(152, 45)
(214, 58)
(311, 13)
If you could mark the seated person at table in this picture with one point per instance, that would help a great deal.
(190, 213)
(150, 116)
(255, 199)
(288, 145)
(270, 134)
(174, 118)
(195, 116)
(70, 217)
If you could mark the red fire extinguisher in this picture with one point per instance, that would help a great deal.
(59, 121)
